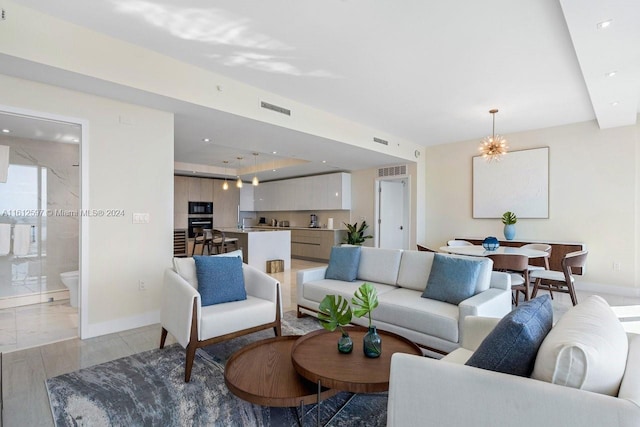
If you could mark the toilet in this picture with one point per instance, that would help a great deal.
(70, 280)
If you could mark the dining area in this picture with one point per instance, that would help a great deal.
(532, 266)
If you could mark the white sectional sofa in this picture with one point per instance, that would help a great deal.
(400, 277)
(579, 359)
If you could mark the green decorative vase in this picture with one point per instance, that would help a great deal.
(345, 343)
(372, 343)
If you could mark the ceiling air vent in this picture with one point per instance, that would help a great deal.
(392, 171)
(380, 141)
(275, 108)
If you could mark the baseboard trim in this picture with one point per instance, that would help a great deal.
(599, 288)
(92, 330)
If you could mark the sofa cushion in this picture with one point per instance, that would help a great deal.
(220, 279)
(415, 267)
(586, 349)
(452, 279)
(186, 267)
(343, 263)
(404, 308)
(379, 265)
(318, 289)
(512, 346)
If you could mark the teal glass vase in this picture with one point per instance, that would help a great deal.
(372, 343)
(345, 343)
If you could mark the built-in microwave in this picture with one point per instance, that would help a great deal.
(200, 208)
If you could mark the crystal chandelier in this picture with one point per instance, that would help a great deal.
(495, 146)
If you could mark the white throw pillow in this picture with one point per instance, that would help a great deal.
(587, 349)
(186, 267)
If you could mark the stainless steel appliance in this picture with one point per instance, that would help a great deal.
(284, 223)
(200, 208)
(274, 222)
(314, 221)
(204, 222)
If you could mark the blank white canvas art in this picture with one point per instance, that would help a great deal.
(519, 183)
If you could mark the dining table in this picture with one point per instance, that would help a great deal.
(477, 250)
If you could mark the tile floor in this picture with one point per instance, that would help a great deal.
(25, 400)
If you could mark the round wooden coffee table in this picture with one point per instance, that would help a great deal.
(262, 373)
(315, 356)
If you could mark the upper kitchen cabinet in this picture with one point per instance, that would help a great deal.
(246, 198)
(320, 192)
(225, 205)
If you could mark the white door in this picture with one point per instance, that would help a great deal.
(392, 214)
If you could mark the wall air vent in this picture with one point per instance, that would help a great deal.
(380, 141)
(392, 171)
(275, 108)
(3, 14)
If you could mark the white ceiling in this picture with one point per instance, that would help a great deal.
(426, 71)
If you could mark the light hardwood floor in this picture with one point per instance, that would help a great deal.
(25, 400)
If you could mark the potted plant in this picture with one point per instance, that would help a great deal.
(365, 300)
(355, 234)
(334, 312)
(509, 219)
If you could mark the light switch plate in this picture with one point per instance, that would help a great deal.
(140, 218)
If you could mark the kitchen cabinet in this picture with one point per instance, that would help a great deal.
(313, 193)
(315, 244)
(189, 188)
(225, 205)
(180, 201)
(246, 198)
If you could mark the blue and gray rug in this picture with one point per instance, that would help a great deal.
(148, 389)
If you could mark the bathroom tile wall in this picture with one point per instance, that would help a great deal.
(61, 244)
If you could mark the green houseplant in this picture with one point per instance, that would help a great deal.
(365, 300)
(355, 234)
(334, 312)
(509, 219)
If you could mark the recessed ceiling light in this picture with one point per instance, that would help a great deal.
(324, 161)
(604, 24)
(615, 103)
(611, 73)
(274, 152)
(205, 140)
(274, 170)
(6, 130)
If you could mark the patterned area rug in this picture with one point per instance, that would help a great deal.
(148, 389)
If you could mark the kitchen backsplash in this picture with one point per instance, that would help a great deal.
(302, 218)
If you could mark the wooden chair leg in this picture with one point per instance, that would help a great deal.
(191, 354)
(572, 293)
(163, 337)
(535, 288)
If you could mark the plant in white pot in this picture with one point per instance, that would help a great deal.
(509, 219)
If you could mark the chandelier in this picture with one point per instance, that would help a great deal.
(495, 146)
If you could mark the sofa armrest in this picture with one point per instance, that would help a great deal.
(425, 391)
(308, 275)
(476, 329)
(261, 285)
(176, 309)
(500, 280)
(490, 303)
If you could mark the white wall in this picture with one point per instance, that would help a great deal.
(130, 167)
(594, 197)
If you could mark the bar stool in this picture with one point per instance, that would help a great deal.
(202, 237)
(220, 242)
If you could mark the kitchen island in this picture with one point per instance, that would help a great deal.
(260, 245)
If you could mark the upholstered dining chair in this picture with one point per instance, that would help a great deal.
(539, 247)
(560, 281)
(459, 243)
(518, 268)
(219, 243)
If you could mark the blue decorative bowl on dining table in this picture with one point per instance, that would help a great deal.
(490, 243)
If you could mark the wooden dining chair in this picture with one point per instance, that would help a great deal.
(423, 248)
(560, 281)
(202, 237)
(539, 247)
(518, 268)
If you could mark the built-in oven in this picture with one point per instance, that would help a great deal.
(203, 222)
(200, 208)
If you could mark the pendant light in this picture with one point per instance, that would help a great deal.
(495, 146)
(255, 181)
(239, 181)
(225, 185)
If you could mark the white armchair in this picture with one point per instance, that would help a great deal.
(194, 326)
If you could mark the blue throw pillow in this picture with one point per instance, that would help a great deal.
(343, 263)
(452, 279)
(220, 279)
(512, 346)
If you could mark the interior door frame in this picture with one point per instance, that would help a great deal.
(407, 209)
(84, 200)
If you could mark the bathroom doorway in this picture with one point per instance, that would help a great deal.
(39, 230)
